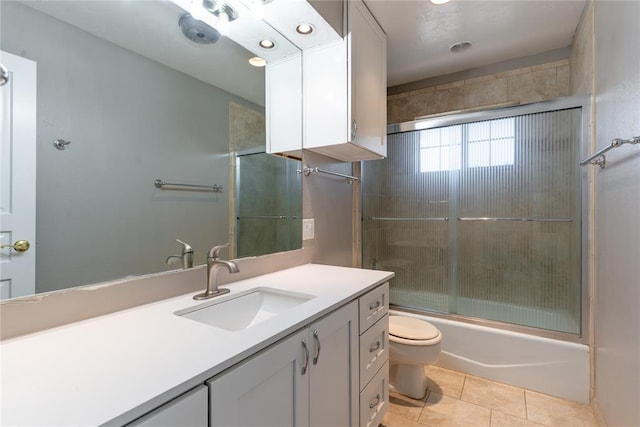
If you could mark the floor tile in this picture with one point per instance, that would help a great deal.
(553, 411)
(489, 394)
(445, 411)
(444, 381)
(394, 420)
(405, 407)
(499, 419)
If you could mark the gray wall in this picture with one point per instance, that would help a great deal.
(617, 239)
(328, 200)
(130, 120)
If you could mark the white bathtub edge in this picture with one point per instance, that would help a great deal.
(549, 366)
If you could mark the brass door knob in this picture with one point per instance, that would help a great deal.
(19, 246)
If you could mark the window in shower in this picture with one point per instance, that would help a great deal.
(481, 219)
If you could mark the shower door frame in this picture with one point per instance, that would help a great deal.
(586, 209)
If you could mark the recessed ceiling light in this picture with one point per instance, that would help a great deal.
(460, 46)
(256, 61)
(267, 44)
(440, 1)
(304, 29)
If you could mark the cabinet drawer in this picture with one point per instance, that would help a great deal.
(374, 399)
(374, 350)
(373, 306)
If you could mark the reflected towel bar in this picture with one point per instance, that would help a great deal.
(598, 157)
(307, 170)
(189, 187)
(374, 218)
(516, 219)
(268, 217)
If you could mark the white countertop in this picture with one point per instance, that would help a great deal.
(112, 369)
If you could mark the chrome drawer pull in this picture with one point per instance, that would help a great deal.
(375, 347)
(374, 306)
(305, 365)
(375, 402)
(317, 339)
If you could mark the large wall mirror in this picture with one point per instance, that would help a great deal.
(139, 102)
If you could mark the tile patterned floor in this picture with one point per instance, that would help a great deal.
(454, 399)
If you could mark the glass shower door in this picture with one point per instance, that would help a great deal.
(481, 219)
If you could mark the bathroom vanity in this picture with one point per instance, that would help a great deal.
(302, 346)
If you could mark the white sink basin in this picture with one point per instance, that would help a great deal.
(245, 310)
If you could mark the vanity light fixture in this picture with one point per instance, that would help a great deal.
(440, 1)
(267, 44)
(460, 46)
(304, 29)
(256, 61)
(223, 11)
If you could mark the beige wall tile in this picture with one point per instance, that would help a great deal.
(536, 86)
(517, 71)
(501, 397)
(444, 381)
(553, 411)
(445, 411)
(450, 85)
(526, 84)
(488, 92)
(581, 61)
(554, 64)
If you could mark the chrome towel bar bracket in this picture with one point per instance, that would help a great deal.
(598, 157)
(307, 170)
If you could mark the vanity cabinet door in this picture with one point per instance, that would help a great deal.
(188, 410)
(333, 387)
(266, 390)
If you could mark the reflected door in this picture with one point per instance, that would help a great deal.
(18, 177)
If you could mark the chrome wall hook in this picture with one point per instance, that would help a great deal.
(61, 144)
(4, 75)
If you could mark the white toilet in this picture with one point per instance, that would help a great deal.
(413, 343)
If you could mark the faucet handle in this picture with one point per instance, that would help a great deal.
(214, 253)
(186, 248)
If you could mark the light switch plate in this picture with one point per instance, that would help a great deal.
(308, 229)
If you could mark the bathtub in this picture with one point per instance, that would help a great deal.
(553, 367)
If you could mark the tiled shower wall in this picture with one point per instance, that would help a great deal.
(521, 85)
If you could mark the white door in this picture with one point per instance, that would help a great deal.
(18, 176)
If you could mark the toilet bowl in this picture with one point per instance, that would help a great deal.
(413, 343)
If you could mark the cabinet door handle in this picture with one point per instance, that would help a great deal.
(305, 365)
(374, 305)
(375, 402)
(317, 339)
(354, 129)
(375, 347)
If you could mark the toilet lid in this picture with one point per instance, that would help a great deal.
(411, 328)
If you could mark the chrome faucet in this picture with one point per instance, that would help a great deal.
(186, 256)
(214, 263)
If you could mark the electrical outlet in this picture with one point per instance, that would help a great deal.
(308, 229)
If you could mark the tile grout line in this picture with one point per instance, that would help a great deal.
(464, 382)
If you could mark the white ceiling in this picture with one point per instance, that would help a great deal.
(419, 33)
(150, 28)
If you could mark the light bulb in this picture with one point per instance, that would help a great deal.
(196, 10)
(223, 23)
